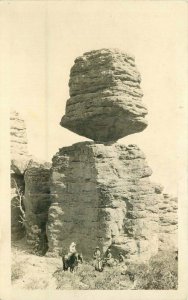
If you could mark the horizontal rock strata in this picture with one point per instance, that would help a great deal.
(105, 96)
(18, 137)
(102, 195)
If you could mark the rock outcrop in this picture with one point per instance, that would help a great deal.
(102, 195)
(101, 192)
(18, 135)
(105, 96)
(19, 162)
(30, 188)
(168, 222)
(37, 199)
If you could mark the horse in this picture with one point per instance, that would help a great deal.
(72, 261)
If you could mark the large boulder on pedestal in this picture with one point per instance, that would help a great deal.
(105, 96)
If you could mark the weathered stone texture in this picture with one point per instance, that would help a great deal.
(19, 162)
(30, 179)
(168, 221)
(37, 196)
(105, 96)
(101, 195)
(18, 135)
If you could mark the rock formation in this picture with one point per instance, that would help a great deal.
(18, 135)
(101, 195)
(168, 222)
(105, 96)
(19, 161)
(37, 197)
(30, 186)
(101, 192)
(96, 193)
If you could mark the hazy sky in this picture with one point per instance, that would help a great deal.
(43, 38)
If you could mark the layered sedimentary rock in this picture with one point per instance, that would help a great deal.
(168, 222)
(19, 162)
(105, 96)
(18, 135)
(37, 198)
(30, 187)
(101, 192)
(102, 195)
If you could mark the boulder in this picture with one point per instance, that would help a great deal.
(105, 96)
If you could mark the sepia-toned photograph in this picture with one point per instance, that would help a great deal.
(96, 108)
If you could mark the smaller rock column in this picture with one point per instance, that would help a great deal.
(37, 200)
(19, 162)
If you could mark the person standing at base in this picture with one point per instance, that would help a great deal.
(109, 259)
(72, 249)
(97, 259)
(97, 253)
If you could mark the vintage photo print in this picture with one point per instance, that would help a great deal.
(93, 99)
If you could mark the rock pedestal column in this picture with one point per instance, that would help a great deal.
(100, 191)
(101, 195)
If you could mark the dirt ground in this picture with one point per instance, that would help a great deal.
(30, 271)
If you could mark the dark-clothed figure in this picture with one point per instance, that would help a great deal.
(109, 259)
(98, 264)
(97, 253)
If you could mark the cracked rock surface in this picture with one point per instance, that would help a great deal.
(102, 195)
(105, 96)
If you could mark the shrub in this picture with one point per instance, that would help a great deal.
(161, 272)
(17, 271)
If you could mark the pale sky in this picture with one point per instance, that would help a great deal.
(42, 39)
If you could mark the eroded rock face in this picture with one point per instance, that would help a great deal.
(101, 195)
(30, 180)
(168, 222)
(18, 135)
(37, 198)
(19, 162)
(105, 96)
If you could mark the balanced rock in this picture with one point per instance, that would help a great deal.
(102, 195)
(105, 96)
